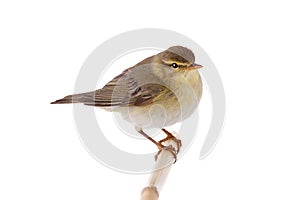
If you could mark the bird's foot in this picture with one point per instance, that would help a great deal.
(161, 146)
(171, 137)
(169, 148)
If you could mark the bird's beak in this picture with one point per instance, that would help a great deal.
(194, 66)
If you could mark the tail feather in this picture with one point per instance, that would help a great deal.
(75, 98)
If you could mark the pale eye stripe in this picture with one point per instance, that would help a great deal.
(168, 62)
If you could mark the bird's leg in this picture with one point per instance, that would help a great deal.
(171, 137)
(159, 145)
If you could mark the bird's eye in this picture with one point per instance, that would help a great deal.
(174, 65)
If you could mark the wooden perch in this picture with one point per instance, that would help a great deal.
(157, 179)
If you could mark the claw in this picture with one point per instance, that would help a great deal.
(170, 149)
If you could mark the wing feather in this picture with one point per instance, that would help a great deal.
(124, 90)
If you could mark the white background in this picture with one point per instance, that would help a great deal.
(255, 46)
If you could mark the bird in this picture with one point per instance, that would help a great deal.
(170, 80)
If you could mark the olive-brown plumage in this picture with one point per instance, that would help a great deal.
(168, 79)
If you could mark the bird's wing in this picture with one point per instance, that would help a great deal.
(127, 89)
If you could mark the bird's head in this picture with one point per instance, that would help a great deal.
(178, 58)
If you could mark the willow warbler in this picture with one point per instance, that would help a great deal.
(159, 91)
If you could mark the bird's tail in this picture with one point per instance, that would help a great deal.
(75, 98)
